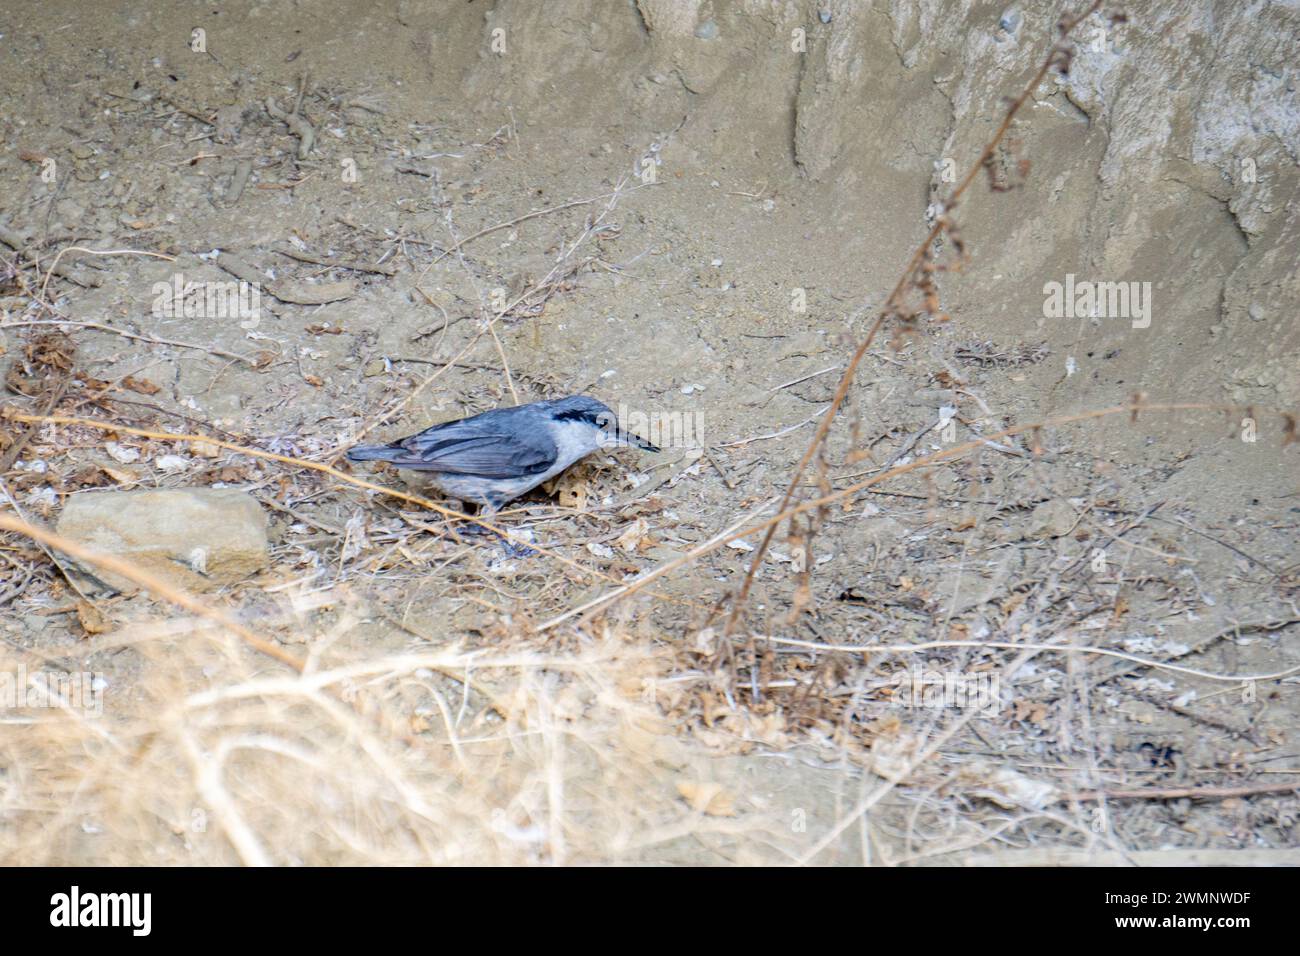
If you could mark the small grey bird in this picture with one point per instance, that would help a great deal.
(498, 455)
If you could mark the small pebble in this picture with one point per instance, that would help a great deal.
(707, 30)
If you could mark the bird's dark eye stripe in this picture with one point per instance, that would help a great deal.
(578, 415)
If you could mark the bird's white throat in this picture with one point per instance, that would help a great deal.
(573, 440)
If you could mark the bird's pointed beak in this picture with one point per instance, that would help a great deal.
(636, 441)
(613, 434)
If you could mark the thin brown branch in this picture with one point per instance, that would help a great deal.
(151, 583)
(895, 297)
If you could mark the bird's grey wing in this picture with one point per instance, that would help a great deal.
(457, 449)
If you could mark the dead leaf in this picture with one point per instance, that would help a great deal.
(124, 454)
(569, 491)
(143, 386)
(92, 476)
(120, 475)
(630, 540)
(1013, 602)
(707, 798)
(92, 621)
(1006, 787)
(1034, 712)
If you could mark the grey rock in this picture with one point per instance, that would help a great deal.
(196, 538)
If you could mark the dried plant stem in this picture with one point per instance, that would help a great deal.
(207, 781)
(1177, 793)
(132, 335)
(506, 225)
(473, 280)
(623, 590)
(1006, 645)
(487, 326)
(99, 252)
(895, 298)
(873, 798)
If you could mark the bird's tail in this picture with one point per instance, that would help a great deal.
(375, 453)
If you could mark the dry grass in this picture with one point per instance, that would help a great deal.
(365, 758)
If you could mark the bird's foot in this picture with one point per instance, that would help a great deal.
(513, 543)
(516, 549)
(467, 529)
